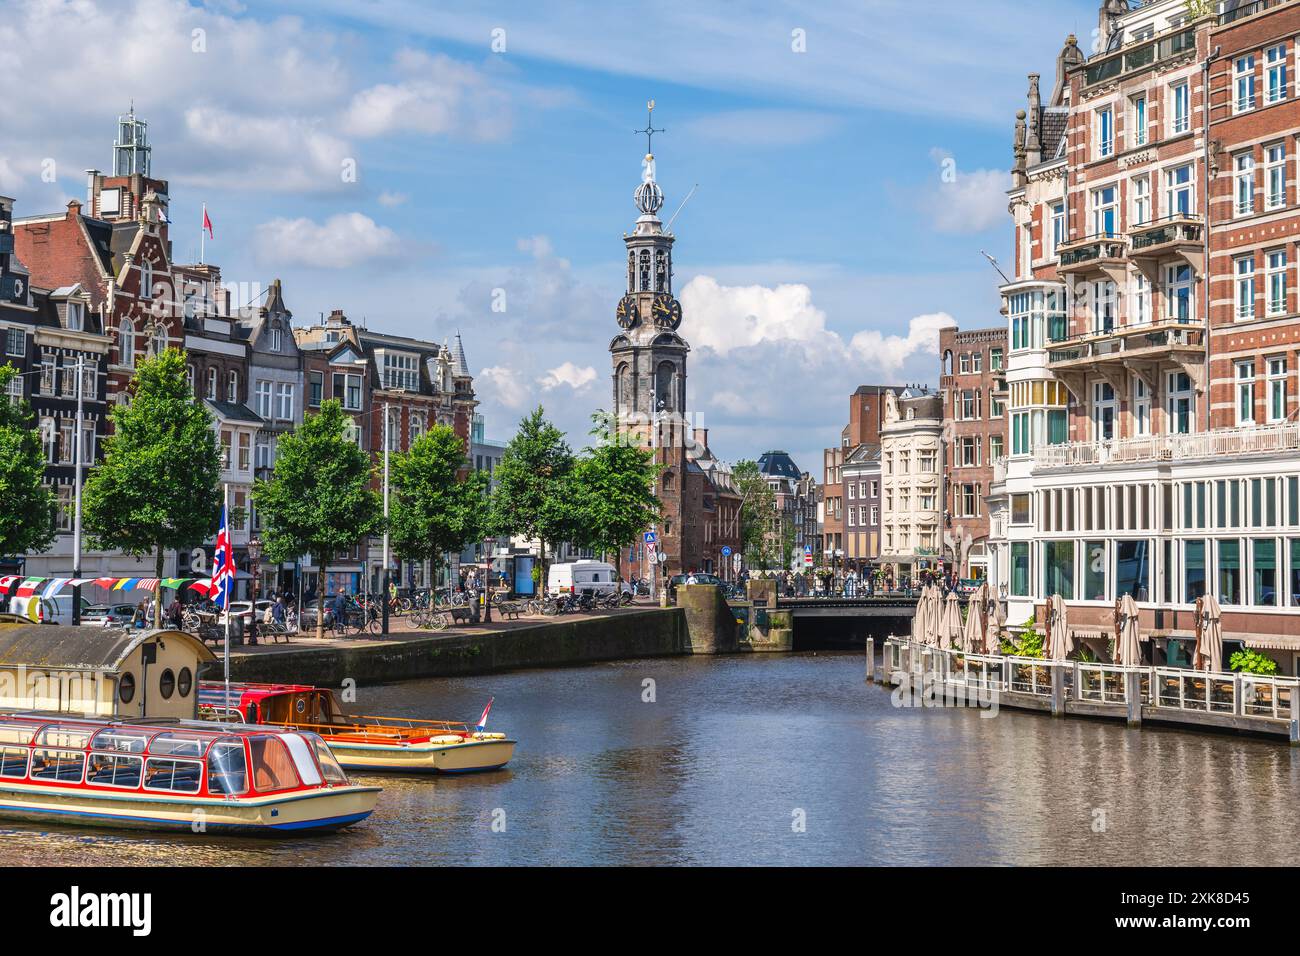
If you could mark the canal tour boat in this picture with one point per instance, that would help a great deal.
(377, 744)
(173, 775)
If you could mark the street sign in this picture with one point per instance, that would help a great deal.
(807, 559)
(726, 551)
(663, 556)
(735, 560)
(651, 537)
(650, 550)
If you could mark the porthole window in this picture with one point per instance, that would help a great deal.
(167, 684)
(184, 682)
(126, 688)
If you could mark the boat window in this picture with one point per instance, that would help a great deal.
(126, 688)
(179, 776)
(120, 740)
(63, 765)
(13, 761)
(59, 735)
(303, 760)
(272, 766)
(16, 733)
(181, 745)
(114, 770)
(167, 683)
(328, 765)
(227, 767)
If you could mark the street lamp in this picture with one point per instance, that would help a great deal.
(255, 558)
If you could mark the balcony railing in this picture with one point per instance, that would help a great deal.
(1221, 443)
(1119, 340)
(1105, 245)
(1140, 57)
(1235, 11)
(1180, 227)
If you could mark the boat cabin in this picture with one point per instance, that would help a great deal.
(269, 704)
(100, 671)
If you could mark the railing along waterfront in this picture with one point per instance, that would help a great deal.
(1167, 689)
(1221, 442)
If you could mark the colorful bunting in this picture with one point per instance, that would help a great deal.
(28, 587)
(54, 587)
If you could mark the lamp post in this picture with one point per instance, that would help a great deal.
(255, 558)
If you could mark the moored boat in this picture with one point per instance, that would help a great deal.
(377, 744)
(173, 775)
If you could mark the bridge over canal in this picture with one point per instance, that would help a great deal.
(829, 622)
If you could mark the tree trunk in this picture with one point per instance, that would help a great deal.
(320, 598)
(157, 602)
(541, 560)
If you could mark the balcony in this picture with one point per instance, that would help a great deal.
(1180, 236)
(1122, 344)
(1103, 253)
(1140, 57)
(1277, 439)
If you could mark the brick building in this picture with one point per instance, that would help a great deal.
(857, 545)
(1153, 449)
(973, 385)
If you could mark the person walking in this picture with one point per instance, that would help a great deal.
(339, 607)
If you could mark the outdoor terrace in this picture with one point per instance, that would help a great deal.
(1280, 438)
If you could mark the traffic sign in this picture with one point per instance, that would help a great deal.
(650, 550)
(726, 551)
(650, 537)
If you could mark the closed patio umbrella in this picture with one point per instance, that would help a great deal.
(1209, 634)
(933, 616)
(950, 630)
(972, 636)
(1059, 643)
(1128, 651)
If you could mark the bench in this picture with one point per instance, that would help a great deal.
(510, 610)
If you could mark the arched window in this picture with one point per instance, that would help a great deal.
(623, 400)
(661, 271)
(947, 362)
(158, 341)
(146, 279)
(666, 387)
(645, 270)
(126, 343)
(212, 384)
(631, 272)
(232, 386)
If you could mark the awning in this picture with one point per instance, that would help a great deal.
(1267, 642)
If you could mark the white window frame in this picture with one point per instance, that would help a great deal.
(1243, 377)
(1139, 114)
(1243, 184)
(1101, 206)
(1243, 83)
(262, 392)
(1174, 190)
(1243, 288)
(1274, 175)
(1141, 189)
(1180, 108)
(1105, 132)
(1141, 407)
(1275, 282)
(1275, 75)
(1277, 375)
(1174, 286)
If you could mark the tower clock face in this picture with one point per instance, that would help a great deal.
(667, 310)
(626, 312)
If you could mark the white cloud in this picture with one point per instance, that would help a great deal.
(437, 95)
(889, 353)
(723, 318)
(342, 240)
(390, 199)
(575, 377)
(506, 387)
(964, 202)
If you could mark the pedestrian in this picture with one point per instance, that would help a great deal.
(175, 614)
(339, 607)
(279, 611)
(138, 616)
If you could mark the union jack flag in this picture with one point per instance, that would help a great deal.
(223, 565)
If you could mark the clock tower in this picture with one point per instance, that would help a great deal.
(649, 357)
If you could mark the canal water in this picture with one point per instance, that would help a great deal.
(771, 760)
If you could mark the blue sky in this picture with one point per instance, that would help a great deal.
(822, 250)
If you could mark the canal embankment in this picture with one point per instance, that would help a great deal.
(472, 649)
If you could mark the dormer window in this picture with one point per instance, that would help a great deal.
(232, 386)
(76, 316)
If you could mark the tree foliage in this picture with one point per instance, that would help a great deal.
(614, 491)
(26, 503)
(318, 500)
(757, 516)
(433, 507)
(157, 486)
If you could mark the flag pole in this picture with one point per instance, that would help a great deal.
(201, 231)
(224, 512)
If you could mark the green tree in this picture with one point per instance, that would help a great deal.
(26, 503)
(614, 491)
(318, 500)
(534, 486)
(157, 486)
(433, 508)
(757, 515)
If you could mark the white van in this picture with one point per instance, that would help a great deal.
(580, 577)
(52, 610)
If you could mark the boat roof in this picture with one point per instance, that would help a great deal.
(195, 728)
(213, 692)
(82, 648)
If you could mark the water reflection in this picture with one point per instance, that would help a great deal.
(735, 751)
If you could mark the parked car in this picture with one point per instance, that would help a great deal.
(243, 610)
(110, 614)
(582, 577)
(700, 577)
(54, 610)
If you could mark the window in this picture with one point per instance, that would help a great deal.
(1244, 288)
(1132, 569)
(284, 401)
(89, 379)
(970, 402)
(1181, 113)
(245, 450)
(1180, 191)
(1103, 211)
(1181, 405)
(977, 362)
(997, 447)
(1141, 407)
(1020, 568)
(65, 766)
(1245, 375)
(1275, 74)
(1277, 389)
(1243, 84)
(1275, 282)
(76, 316)
(1295, 572)
(963, 363)
(1020, 433)
(1094, 570)
(225, 448)
(126, 343)
(995, 360)
(315, 388)
(1243, 175)
(1020, 513)
(272, 765)
(1141, 187)
(49, 375)
(1103, 306)
(1229, 572)
(277, 339)
(1179, 293)
(146, 279)
(1058, 569)
(1105, 132)
(14, 390)
(1141, 300)
(15, 341)
(1058, 229)
(232, 386)
(401, 371)
(1193, 571)
(968, 451)
(227, 767)
(212, 385)
(347, 389)
(177, 776)
(1140, 120)
(262, 393)
(1275, 176)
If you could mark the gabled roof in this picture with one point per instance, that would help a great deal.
(234, 412)
(778, 464)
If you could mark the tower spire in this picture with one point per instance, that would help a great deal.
(649, 198)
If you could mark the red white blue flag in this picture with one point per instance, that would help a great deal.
(482, 721)
(223, 565)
